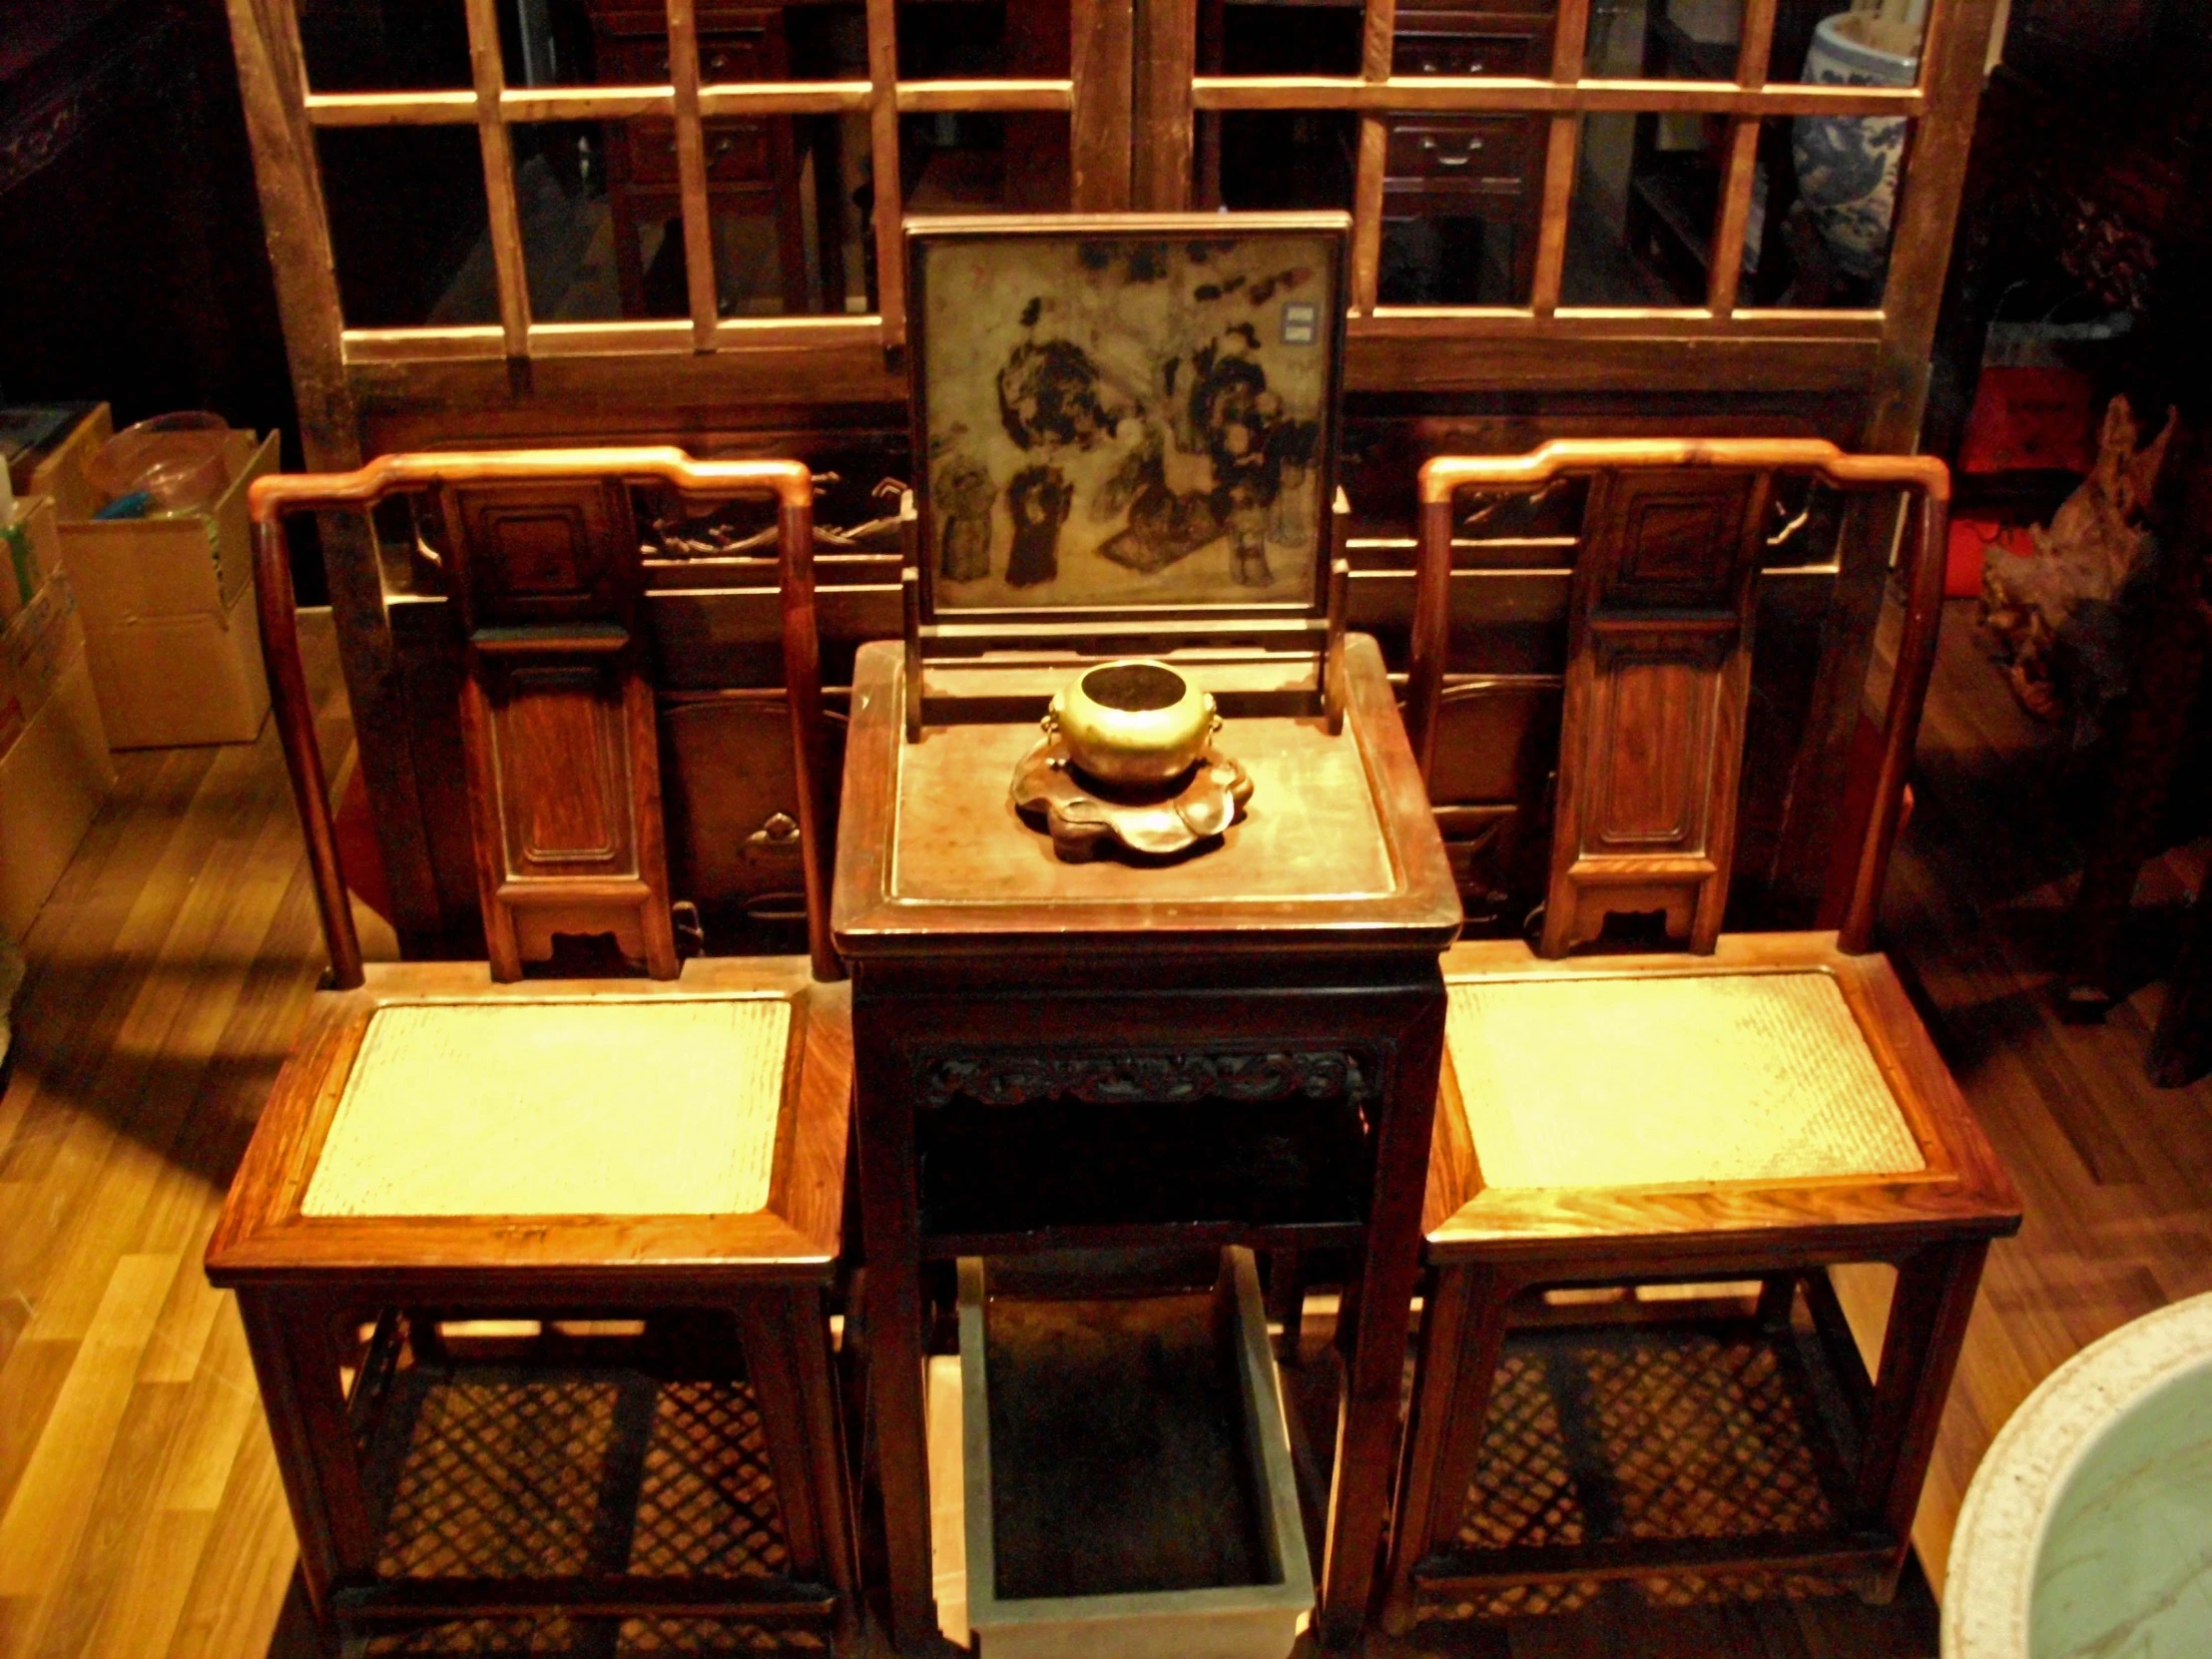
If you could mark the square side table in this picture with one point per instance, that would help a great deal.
(1241, 1048)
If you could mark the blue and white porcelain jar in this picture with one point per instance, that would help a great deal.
(1847, 166)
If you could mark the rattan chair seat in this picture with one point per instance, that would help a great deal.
(606, 1106)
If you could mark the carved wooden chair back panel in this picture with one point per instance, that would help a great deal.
(1659, 636)
(557, 719)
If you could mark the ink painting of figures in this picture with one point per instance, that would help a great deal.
(1130, 414)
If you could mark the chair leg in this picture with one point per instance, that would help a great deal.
(786, 1360)
(1777, 1297)
(1462, 1338)
(1919, 1352)
(292, 1337)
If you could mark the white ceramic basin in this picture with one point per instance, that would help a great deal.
(2088, 1530)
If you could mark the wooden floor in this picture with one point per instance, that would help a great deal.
(139, 1514)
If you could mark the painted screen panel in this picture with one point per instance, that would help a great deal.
(1127, 417)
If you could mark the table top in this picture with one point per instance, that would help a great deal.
(1337, 849)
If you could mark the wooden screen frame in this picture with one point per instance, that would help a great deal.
(1131, 97)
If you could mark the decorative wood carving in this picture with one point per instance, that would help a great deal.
(1015, 1078)
(1658, 668)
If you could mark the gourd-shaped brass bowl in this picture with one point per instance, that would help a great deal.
(1133, 723)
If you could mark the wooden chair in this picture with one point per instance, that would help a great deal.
(658, 1158)
(1755, 1109)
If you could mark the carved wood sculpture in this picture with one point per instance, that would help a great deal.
(1758, 1108)
(2054, 602)
(439, 1146)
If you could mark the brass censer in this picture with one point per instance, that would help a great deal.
(1127, 757)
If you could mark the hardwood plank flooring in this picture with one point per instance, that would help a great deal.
(139, 1513)
(2116, 1177)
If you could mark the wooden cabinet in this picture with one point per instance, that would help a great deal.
(1472, 179)
(753, 167)
(1498, 40)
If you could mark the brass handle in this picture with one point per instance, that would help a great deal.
(1445, 158)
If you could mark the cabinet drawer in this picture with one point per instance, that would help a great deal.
(738, 152)
(1490, 152)
(1456, 50)
(749, 52)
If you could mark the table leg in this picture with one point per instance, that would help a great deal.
(1462, 1338)
(294, 1341)
(1375, 1365)
(892, 1232)
(786, 1334)
(1919, 1352)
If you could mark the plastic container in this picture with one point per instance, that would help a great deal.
(175, 458)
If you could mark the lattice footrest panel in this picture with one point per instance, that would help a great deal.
(1646, 1435)
(564, 1638)
(524, 1471)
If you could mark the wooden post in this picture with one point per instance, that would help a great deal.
(1743, 154)
(1101, 44)
(1374, 142)
(1560, 150)
(890, 191)
(691, 174)
(1167, 32)
(264, 38)
(503, 210)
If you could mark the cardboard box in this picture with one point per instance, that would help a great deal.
(59, 472)
(54, 765)
(168, 607)
(30, 434)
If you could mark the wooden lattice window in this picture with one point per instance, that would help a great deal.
(1466, 102)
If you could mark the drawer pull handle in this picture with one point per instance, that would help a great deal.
(1446, 159)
